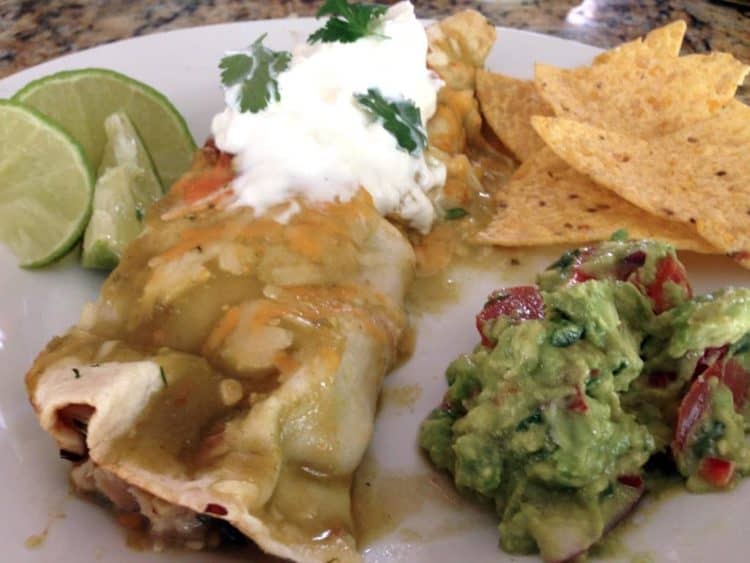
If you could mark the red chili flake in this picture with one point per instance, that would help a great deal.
(215, 509)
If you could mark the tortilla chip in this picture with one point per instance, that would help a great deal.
(458, 46)
(698, 175)
(667, 39)
(547, 202)
(507, 104)
(643, 96)
(663, 41)
(730, 126)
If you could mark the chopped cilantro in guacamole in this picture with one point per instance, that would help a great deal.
(579, 380)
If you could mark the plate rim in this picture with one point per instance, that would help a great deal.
(160, 34)
(52, 273)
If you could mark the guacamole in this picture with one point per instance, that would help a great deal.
(583, 378)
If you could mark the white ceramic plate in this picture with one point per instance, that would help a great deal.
(428, 522)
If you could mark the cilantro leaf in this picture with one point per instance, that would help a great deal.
(455, 213)
(234, 68)
(347, 22)
(255, 75)
(619, 235)
(401, 118)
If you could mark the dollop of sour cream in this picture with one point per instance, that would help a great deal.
(316, 143)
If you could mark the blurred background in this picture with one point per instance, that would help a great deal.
(33, 31)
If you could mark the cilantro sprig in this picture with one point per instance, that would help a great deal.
(401, 118)
(256, 73)
(347, 22)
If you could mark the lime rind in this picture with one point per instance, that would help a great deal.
(171, 147)
(99, 256)
(24, 232)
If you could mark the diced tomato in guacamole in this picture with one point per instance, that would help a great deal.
(652, 267)
(516, 303)
(709, 443)
(579, 380)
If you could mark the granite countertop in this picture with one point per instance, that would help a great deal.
(33, 31)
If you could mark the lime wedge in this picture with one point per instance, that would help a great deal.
(113, 221)
(126, 188)
(45, 186)
(80, 101)
(124, 146)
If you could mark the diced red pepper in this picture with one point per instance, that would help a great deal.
(716, 471)
(577, 402)
(668, 270)
(635, 481)
(517, 303)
